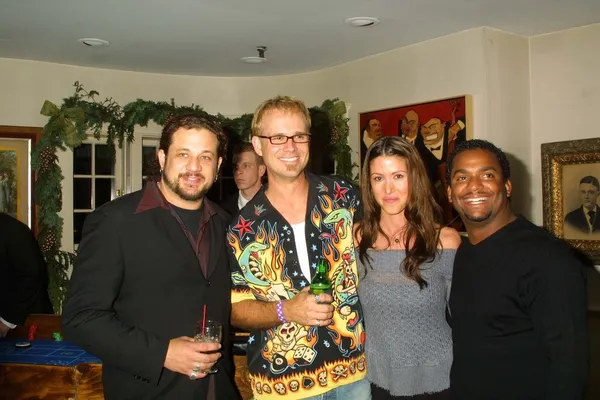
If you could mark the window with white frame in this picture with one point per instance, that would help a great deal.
(96, 180)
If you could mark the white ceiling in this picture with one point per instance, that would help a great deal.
(208, 37)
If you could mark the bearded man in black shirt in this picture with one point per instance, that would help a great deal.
(518, 301)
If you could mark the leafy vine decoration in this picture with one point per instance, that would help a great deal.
(82, 113)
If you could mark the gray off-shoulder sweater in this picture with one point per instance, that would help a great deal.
(408, 341)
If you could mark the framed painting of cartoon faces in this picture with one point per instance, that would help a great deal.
(570, 178)
(16, 175)
(434, 127)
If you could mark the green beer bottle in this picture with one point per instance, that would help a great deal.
(320, 282)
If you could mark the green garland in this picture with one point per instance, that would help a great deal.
(81, 113)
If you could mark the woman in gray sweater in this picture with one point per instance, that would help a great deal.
(406, 259)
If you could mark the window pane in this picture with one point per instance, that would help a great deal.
(105, 164)
(148, 157)
(82, 160)
(104, 190)
(82, 193)
(78, 220)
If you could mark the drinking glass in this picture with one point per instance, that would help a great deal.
(209, 331)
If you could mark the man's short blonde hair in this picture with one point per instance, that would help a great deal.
(286, 104)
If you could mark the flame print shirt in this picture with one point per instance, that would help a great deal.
(294, 361)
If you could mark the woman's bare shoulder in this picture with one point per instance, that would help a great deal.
(449, 238)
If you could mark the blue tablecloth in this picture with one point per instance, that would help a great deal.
(44, 352)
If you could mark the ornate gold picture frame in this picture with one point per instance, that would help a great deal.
(570, 175)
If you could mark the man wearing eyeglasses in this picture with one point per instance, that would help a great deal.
(301, 345)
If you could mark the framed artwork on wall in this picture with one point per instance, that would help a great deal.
(571, 193)
(434, 127)
(17, 180)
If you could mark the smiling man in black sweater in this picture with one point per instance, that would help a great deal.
(518, 301)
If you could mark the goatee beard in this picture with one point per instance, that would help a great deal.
(177, 189)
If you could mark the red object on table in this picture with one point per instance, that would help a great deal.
(32, 331)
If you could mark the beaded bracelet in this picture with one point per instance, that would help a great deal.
(279, 308)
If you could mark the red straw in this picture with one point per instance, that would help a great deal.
(204, 320)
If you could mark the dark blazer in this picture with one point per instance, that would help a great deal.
(23, 273)
(137, 283)
(230, 204)
(577, 219)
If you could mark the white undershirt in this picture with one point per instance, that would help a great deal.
(302, 249)
(242, 201)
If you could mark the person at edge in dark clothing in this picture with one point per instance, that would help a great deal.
(518, 300)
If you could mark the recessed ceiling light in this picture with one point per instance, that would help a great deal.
(253, 60)
(256, 59)
(362, 22)
(93, 42)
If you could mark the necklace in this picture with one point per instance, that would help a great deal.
(396, 236)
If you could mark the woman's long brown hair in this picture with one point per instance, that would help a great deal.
(422, 212)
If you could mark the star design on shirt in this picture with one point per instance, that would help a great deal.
(302, 283)
(251, 340)
(314, 247)
(288, 239)
(312, 234)
(291, 251)
(247, 238)
(314, 265)
(295, 273)
(340, 192)
(243, 226)
(285, 227)
(264, 366)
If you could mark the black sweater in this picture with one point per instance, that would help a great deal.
(519, 318)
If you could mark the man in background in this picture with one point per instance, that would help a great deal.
(248, 171)
(585, 218)
(518, 300)
(23, 275)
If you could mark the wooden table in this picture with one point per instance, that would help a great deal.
(48, 370)
(28, 379)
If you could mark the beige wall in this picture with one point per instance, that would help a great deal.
(525, 92)
(444, 67)
(508, 124)
(565, 93)
(25, 85)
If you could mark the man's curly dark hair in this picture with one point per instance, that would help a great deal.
(482, 145)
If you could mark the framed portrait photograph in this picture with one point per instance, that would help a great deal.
(571, 188)
(434, 127)
(17, 179)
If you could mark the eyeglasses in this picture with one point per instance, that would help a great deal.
(283, 139)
